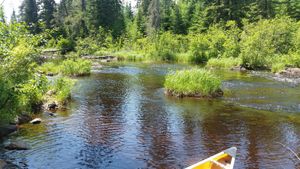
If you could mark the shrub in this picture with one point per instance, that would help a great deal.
(87, 46)
(65, 45)
(194, 82)
(77, 67)
(49, 67)
(263, 41)
(223, 62)
(62, 87)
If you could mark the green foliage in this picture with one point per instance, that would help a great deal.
(77, 67)
(49, 67)
(65, 45)
(192, 82)
(62, 87)
(223, 62)
(265, 40)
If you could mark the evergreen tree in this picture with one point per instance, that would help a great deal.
(153, 17)
(2, 17)
(107, 14)
(13, 18)
(47, 12)
(178, 24)
(29, 13)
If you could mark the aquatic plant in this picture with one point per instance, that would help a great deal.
(193, 83)
(223, 62)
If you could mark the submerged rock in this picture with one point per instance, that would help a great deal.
(6, 130)
(52, 106)
(238, 68)
(2, 164)
(17, 145)
(23, 118)
(36, 121)
(290, 73)
(51, 92)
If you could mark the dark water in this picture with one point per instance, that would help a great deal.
(120, 118)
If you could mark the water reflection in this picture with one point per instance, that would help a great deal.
(120, 118)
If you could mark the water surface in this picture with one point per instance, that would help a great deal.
(120, 118)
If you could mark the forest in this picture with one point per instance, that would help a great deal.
(149, 83)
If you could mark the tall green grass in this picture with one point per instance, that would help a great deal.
(78, 67)
(194, 82)
(223, 62)
(69, 67)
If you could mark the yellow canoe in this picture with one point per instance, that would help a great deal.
(222, 160)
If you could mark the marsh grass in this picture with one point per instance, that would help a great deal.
(223, 63)
(70, 67)
(193, 83)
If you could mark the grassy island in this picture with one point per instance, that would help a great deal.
(193, 83)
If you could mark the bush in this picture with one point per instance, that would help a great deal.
(77, 67)
(65, 45)
(265, 40)
(223, 62)
(49, 67)
(62, 87)
(194, 82)
(87, 46)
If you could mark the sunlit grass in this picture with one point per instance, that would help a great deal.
(225, 63)
(194, 82)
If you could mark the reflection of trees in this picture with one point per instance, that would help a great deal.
(103, 121)
(154, 127)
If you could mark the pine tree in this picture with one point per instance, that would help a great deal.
(13, 18)
(47, 12)
(107, 14)
(2, 17)
(29, 13)
(153, 17)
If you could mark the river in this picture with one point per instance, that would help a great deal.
(119, 117)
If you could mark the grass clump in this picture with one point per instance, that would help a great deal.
(49, 67)
(193, 83)
(79, 67)
(62, 89)
(226, 63)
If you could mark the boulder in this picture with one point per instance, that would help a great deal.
(6, 130)
(2, 164)
(50, 92)
(52, 106)
(50, 74)
(17, 145)
(23, 118)
(290, 72)
(51, 114)
(238, 68)
(36, 121)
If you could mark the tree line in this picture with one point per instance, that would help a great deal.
(82, 18)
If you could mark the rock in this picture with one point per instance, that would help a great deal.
(51, 114)
(238, 68)
(50, 92)
(290, 72)
(6, 130)
(50, 74)
(36, 121)
(2, 164)
(52, 106)
(17, 145)
(23, 118)
(8, 165)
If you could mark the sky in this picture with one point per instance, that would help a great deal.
(10, 5)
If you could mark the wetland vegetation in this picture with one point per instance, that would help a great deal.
(55, 53)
